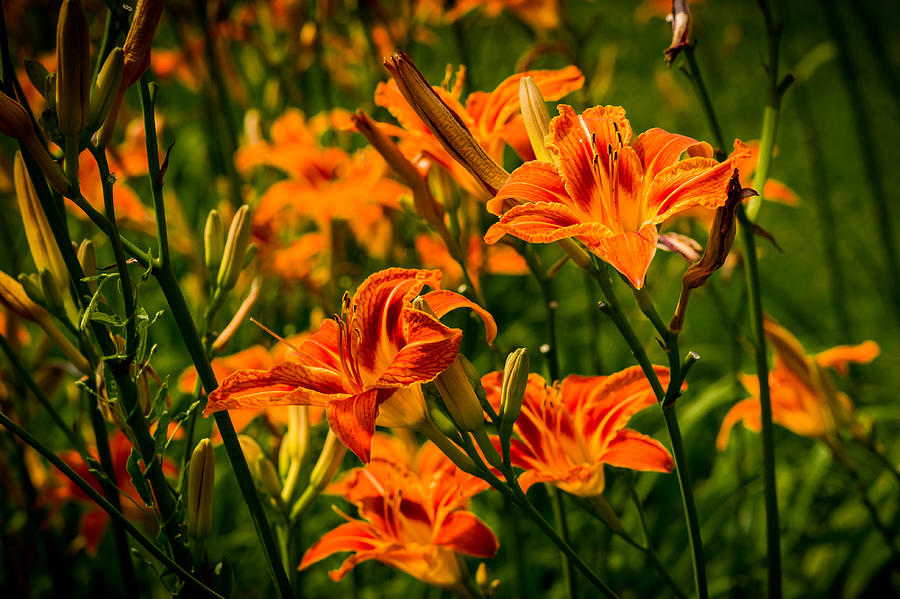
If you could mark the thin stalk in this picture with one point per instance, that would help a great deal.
(775, 92)
(773, 541)
(105, 505)
(180, 311)
(559, 515)
(696, 79)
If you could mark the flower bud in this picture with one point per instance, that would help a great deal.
(536, 117)
(512, 392)
(87, 257)
(326, 467)
(53, 298)
(235, 247)
(201, 483)
(445, 124)
(213, 240)
(73, 60)
(459, 398)
(136, 49)
(105, 88)
(31, 284)
(681, 29)
(261, 468)
(15, 122)
(13, 296)
(295, 443)
(39, 236)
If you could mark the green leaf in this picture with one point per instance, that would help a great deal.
(138, 479)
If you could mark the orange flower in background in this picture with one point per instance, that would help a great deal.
(95, 520)
(412, 515)
(568, 431)
(539, 14)
(494, 118)
(496, 259)
(804, 398)
(366, 366)
(608, 192)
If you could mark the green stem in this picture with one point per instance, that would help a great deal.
(97, 498)
(559, 515)
(773, 541)
(696, 80)
(168, 282)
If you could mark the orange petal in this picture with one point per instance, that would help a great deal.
(748, 411)
(838, 357)
(352, 420)
(631, 449)
(532, 182)
(630, 253)
(429, 348)
(544, 223)
(659, 149)
(464, 532)
(443, 301)
(349, 536)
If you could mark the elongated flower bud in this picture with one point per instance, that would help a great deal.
(295, 443)
(445, 124)
(52, 295)
(326, 467)
(512, 393)
(15, 122)
(40, 238)
(13, 296)
(136, 49)
(73, 60)
(201, 483)
(680, 18)
(459, 398)
(105, 88)
(87, 256)
(31, 284)
(235, 247)
(536, 117)
(261, 468)
(213, 241)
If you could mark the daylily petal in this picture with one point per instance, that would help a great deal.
(692, 182)
(544, 223)
(532, 182)
(746, 411)
(352, 420)
(630, 253)
(288, 383)
(464, 532)
(631, 449)
(838, 357)
(443, 301)
(429, 349)
(349, 536)
(659, 149)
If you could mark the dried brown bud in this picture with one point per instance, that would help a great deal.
(681, 29)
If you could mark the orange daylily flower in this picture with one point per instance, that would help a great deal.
(567, 431)
(412, 516)
(495, 259)
(539, 14)
(366, 366)
(494, 118)
(804, 398)
(608, 191)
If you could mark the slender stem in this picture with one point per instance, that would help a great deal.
(559, 515)
(168, 282)
(696, 80)
(773, 541)
(116, 515)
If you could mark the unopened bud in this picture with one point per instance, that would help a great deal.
(37, 74)
(53, 298)
(681, 29)
(445, 124)
(105, 88)
(328, 463)
(261, 468)
(481, 576)
(536, 117)
(213, 240)
(235, 247)
(459, 398)
(49, 91)
(295, 443)
(87, 257)
(39, 236)
(15, 122)
(512, 392)
(13, 296)
(73, 68)
(31, 284)
(201, 483)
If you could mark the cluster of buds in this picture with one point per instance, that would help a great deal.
(225, 258)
